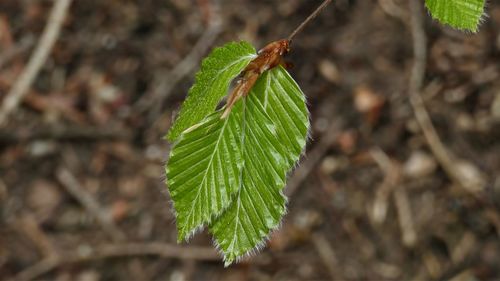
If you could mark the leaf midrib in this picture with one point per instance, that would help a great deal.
(209, 166)
(242, 148)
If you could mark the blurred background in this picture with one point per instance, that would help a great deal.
(376, 197)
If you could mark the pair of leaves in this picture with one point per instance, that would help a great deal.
(461, 14)
(228, 174)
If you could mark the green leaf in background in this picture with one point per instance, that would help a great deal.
(211, 85)
(275, 125)
(229, 173)
(461, 14)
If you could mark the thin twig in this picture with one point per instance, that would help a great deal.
(62, 133)
(419, 48)
(468, 262)
(443, 156)
(405, 217)
(47, 40)
(327, 255)
(392, 179)
(73, 187)
(28, 226)
(392, 9)
(309, 18)
(392, 183)
(41, 267)
(159, 249)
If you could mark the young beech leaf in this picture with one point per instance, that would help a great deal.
(203, 171)
(275, 125)
(211, 84)
(461, 14)
(229, 173)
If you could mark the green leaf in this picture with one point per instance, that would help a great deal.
(211, 84)
(285, 103)
(461, 14)
(275, 130)
(229, 173)
(203, 171)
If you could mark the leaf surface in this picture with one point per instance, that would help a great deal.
(229, 173)
(211, 84)
(461, 14)
(203, 172)
(275, 126)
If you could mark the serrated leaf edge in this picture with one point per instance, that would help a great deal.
(479, 21)
(206, 61)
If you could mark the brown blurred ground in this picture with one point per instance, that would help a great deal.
(81, 159)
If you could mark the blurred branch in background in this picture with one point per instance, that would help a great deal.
(63, 133)
(393, 9)
(392, 183)
(27, 225)
(392, 180)
(164, 83)
(328, 256)
(464, 174)
(117, 250)
(42, 50)
(472, 182)
(72, 185)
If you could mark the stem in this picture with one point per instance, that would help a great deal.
(309, 18)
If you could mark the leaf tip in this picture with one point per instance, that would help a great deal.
(170, 136)
(182, 236)
(227, 263)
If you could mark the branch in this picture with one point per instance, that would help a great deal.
(327, 255)
(62, 133)
(443, 156)
(47, 40)
(392, 184)
(159, 249)
(309, 19)
(392, 180)
(27, 225)
(87, 200)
